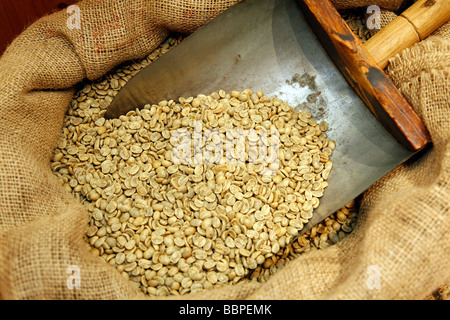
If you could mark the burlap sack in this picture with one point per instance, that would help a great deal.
(402, 232)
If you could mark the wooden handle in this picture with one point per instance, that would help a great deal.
(410, 27)
(364, 75)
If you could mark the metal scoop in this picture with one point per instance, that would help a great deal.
(269, 45)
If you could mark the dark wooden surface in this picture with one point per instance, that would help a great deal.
(17, 15)
(364, 75)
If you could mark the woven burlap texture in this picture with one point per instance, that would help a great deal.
(402, 230)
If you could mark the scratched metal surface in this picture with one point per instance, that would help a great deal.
(267, 45)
